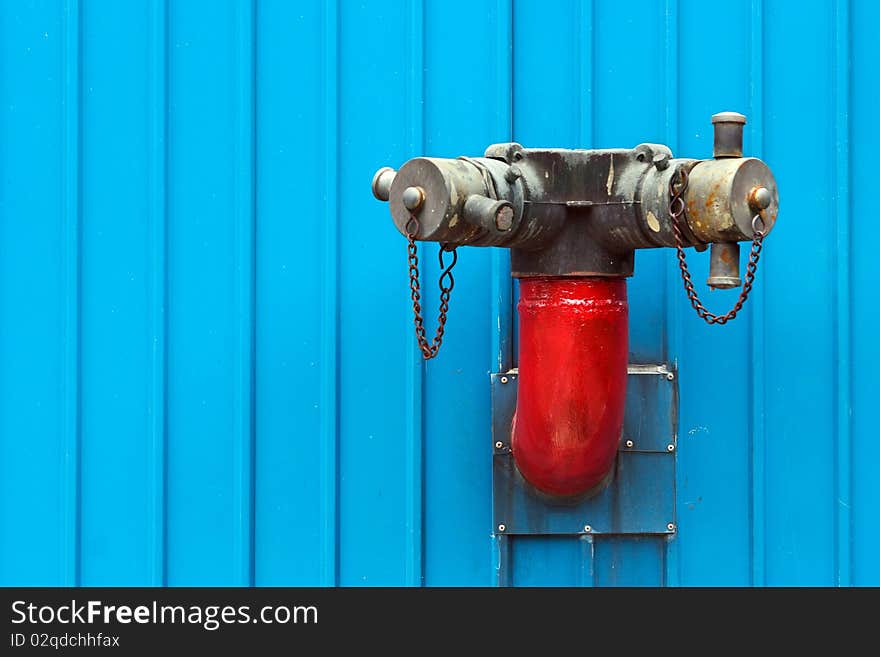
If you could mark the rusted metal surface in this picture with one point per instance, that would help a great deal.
(724, 266)
(677, 211)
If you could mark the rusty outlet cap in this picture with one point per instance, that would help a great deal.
(729, 117)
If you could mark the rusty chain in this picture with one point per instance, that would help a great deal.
(676, 213)
(446, 283)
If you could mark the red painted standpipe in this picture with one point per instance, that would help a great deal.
(573, 352)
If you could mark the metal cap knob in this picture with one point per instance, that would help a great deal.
(728, 134)
(382, 183)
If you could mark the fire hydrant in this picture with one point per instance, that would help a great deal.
(573, 220)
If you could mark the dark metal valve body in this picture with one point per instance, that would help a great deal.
(580, 212)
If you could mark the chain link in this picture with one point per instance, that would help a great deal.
(446, 283)
(676, 213)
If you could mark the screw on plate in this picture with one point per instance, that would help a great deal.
(670, 376)
(588, 529)
(629, 444)
(671, 526)
(499, 445)
(670, 447)
(504, 379)
(501, 528)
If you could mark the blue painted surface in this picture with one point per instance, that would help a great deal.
(208, 374)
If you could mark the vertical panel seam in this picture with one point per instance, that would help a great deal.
(757, 442)
(245, 228)
(671, 566)
(158, 167)
(330, 306)
(502, 283)
(585, 25)
(414, 482)
(502, 286)
(843, 299)
(72, 226)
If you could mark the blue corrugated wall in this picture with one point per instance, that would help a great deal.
(207, 372)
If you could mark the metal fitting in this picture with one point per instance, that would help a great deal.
(671, 526)
(499, 444)
(482, 211)
(504, 379)
(412, 198)
(728, 134)
(587, 529)
(724, 266)
(760, 198)
(629, 444)
(670, 447)
(501, 528)
(382, 183)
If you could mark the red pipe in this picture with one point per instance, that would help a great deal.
(573, 351)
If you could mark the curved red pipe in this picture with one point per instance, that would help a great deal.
(573, 352)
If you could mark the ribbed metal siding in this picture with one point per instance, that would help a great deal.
(208, 375)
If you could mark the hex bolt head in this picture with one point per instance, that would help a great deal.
(670, 447)
(760, 198)
(501, 528)
(504, 379)
(587, 529)
(629, 444)
(499, 444)
(671, 526)
(412, 198)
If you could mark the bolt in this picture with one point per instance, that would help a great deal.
(501, 528)
(504, 379)
(588, 529)
(670, 447)
(504, 217)
(499, 445)
(670, 377)
(671, 527)
(512, 174)
(760, 198)
(661, 161)
(413, 197)
(629, 444)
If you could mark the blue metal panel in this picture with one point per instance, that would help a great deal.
(208, 374)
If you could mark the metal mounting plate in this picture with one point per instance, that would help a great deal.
(640, 499)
